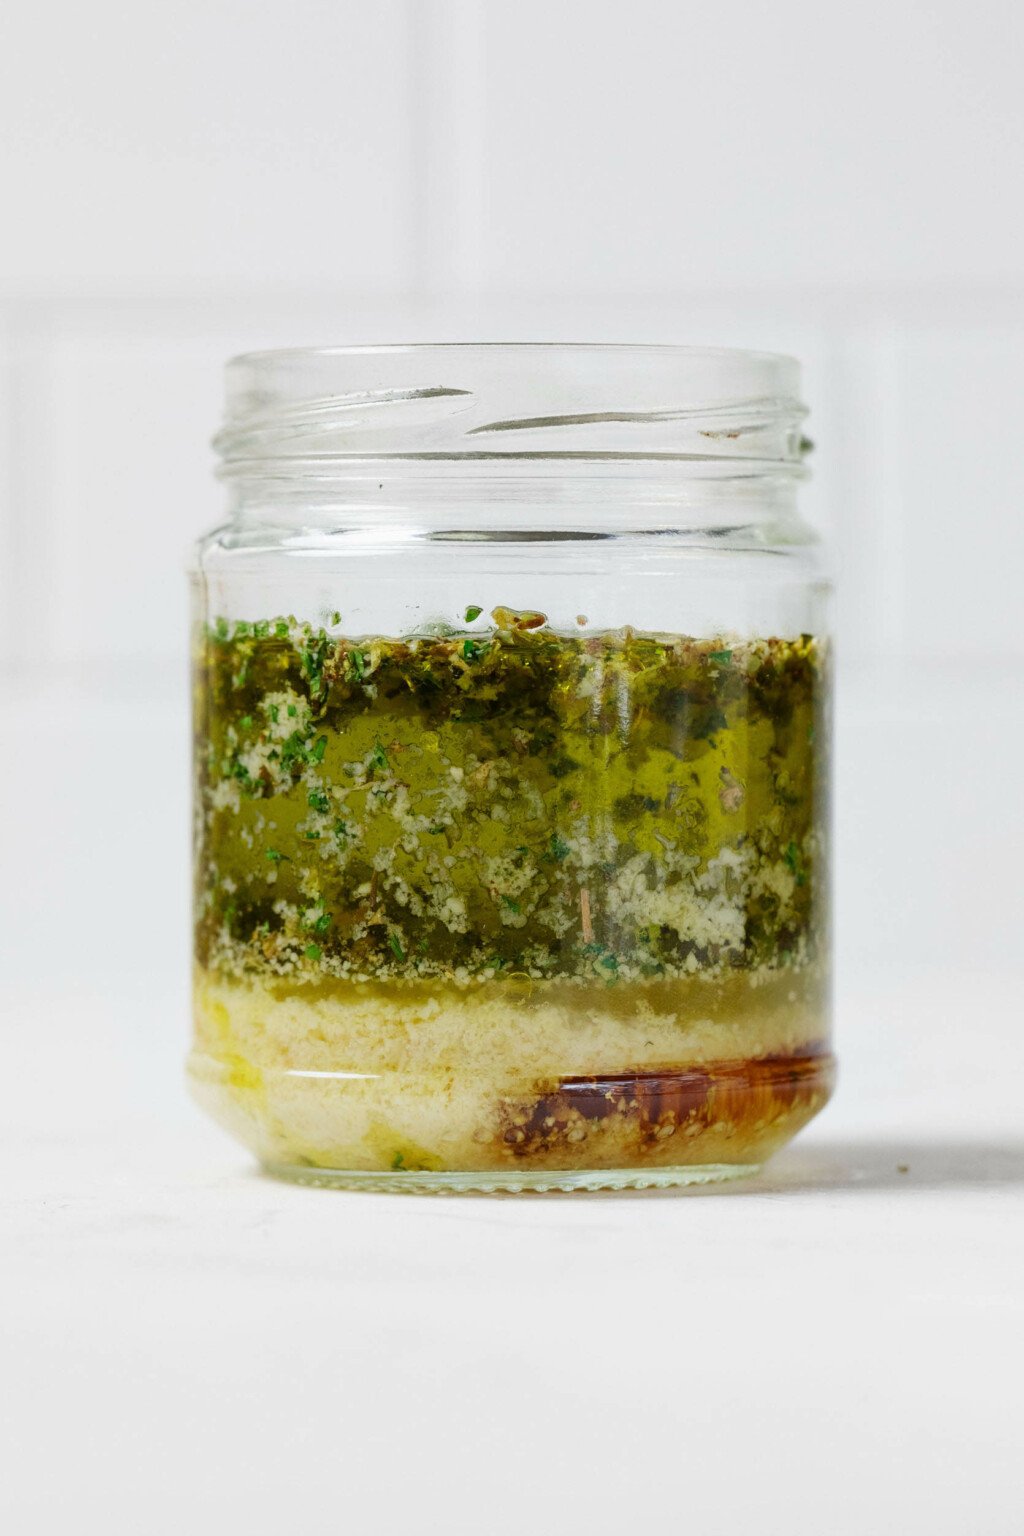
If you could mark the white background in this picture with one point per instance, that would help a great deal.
(837, 1350)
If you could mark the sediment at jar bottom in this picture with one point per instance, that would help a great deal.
(559, 1076)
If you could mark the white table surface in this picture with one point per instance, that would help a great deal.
(836, 1347)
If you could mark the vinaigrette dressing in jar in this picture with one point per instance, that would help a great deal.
(511, 681)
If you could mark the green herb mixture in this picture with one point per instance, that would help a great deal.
(508, 802)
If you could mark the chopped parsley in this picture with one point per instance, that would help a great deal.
(514, 805)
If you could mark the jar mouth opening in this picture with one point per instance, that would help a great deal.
(683, 350)
(331, 408)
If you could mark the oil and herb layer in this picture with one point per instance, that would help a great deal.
(506, 894)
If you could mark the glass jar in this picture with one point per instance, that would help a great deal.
(511, 763)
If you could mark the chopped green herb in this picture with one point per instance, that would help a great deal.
(294, 751)
(795, 863)
(507, 802)
(313, 658)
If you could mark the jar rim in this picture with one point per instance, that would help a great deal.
(353, 349)
(499, 401)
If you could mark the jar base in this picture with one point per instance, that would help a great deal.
(435, 1133)
(512, 1182)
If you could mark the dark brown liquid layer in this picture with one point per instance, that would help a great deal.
(741, 1098)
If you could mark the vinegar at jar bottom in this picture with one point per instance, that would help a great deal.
(510, 1087)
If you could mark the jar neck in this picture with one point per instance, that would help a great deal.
(569, 495)
(577, 436)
